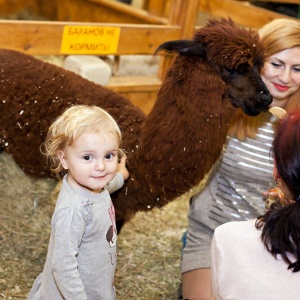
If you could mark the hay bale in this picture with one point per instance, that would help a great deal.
(149, 253)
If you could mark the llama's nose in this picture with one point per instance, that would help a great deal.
(265, 97)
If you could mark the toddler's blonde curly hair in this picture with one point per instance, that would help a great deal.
(74, 121)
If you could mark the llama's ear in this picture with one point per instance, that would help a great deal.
(183, 47)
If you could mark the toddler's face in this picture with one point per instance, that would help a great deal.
(91, 161)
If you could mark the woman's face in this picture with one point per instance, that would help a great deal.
(281, 74)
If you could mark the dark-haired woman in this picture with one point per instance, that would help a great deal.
(260, 258)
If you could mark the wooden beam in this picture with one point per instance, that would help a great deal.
(184, 14)
(241, 12)
(158, 7)
(8, 7)
(141, 90)
(104, 11)
(282, 1)
(44, 38)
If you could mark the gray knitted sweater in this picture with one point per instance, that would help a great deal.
(82, 253)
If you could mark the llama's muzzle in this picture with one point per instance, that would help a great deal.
(265, 97)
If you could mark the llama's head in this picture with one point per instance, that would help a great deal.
(237, 55)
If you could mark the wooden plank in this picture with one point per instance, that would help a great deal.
(8, 7)
(134, 83)
(35, 9)
(104, 11)
(143, 100)
(184, 14)
(140, 90)
(282, 1)
(158, 7)
(242, 13)
(44, 38)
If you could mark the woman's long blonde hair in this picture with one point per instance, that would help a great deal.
(277, 36)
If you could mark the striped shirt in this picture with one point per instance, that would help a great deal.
(233, 192)
(245, 172)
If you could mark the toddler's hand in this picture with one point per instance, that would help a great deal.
(122, 167)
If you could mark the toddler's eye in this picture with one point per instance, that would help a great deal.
(109, 156)
(87, 157)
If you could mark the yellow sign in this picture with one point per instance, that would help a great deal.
(90, 40)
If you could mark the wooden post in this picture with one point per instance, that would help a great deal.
(156, 7)
(184, 14)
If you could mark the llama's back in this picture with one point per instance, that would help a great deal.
(33, 93)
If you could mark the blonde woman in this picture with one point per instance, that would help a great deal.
(235, 187)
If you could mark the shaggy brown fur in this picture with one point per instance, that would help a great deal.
(172, 149)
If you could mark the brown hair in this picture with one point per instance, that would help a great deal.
(280, 225)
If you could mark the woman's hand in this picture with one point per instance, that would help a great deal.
(274, 195)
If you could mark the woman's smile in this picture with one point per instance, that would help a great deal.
(280, 87)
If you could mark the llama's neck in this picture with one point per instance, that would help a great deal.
(184, 133)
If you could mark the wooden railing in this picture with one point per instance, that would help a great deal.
(45, 37)
(242, 12)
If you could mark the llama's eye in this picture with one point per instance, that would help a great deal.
(231, 71)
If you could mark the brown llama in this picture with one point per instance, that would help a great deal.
(174, 147)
